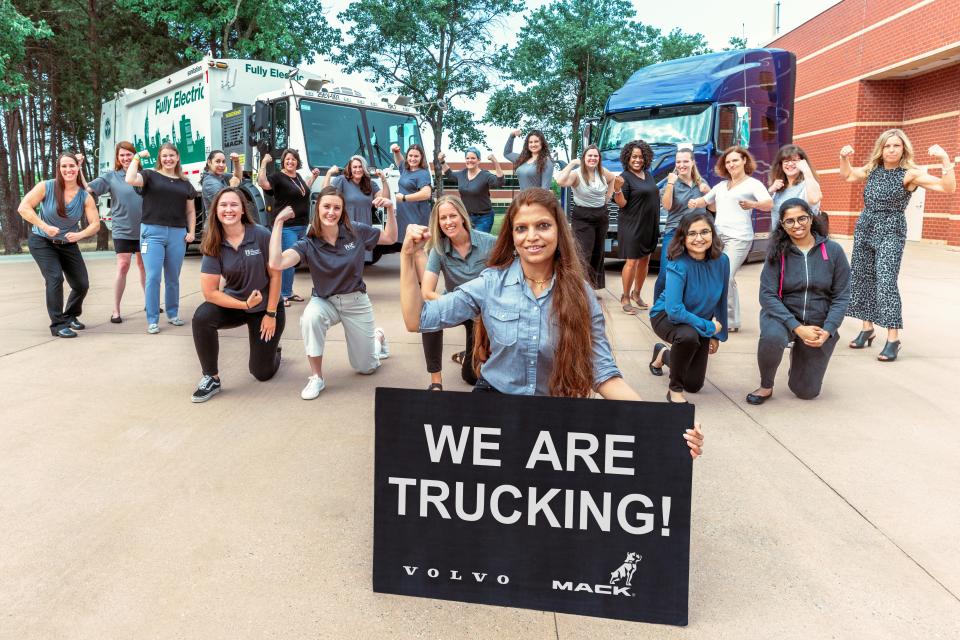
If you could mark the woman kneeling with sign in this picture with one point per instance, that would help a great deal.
(236, 249)
(541, 330)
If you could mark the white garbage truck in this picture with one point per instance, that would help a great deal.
(251, 108)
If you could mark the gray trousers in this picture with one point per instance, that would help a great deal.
(736, 251)
(807, 364)
(356, 313)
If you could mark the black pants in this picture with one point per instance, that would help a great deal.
(264, 356)
(807, 364)
(58, 261)
(590, 231)
(433, 353)
(688, 354)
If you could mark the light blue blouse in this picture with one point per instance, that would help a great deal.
(521, 330)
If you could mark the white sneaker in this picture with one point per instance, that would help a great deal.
(153, 328)
(383, 351)
(315, 385)
(177, 322)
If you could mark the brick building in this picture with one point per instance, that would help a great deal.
(864, 66)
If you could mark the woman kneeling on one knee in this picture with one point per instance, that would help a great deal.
(236, 249)
(804, 293)
(334, 251)
(691, 312)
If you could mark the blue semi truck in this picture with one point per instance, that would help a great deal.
(709, 102)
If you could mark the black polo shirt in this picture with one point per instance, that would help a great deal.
(338, 269)
(244, 268)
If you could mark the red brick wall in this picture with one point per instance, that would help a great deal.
(862, 108)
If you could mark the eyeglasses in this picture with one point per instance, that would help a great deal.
(789, 222)
(705, 233)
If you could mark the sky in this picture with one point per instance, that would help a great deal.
(718, 21)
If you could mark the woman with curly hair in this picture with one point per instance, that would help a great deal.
(638, 226)
(540, 328)
(533, 166)
(880, 235)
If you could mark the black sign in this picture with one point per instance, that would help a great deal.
(557, 504)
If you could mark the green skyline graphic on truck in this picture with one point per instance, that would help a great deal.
(181, 135)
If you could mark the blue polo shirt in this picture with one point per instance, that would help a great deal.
(243, 268)
(338, 268)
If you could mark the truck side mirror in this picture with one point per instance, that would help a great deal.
(261, 116)
(743, 126)
(733, 127)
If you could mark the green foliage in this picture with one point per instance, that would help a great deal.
(428, 50)
(15, 30)
(570, 56)
(736, 42)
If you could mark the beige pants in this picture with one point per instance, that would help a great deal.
(356, 313)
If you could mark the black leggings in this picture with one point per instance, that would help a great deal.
(264, 356)
(688, 354)
(433, 353)
(57, 261)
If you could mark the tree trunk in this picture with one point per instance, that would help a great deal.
(10, 184)
(578, 109)
(436, 124)
(103, 235)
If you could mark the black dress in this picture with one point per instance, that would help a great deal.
(638, 226)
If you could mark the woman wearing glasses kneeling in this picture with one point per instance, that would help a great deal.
(804, 293)
(691, 311)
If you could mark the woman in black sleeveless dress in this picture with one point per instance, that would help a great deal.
(638, 225)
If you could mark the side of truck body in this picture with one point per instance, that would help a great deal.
(709, 102)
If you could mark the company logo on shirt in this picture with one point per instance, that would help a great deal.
(251, 252)
(349, 246)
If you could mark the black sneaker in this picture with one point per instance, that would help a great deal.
(208, 387)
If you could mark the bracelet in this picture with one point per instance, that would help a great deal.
(618, 193)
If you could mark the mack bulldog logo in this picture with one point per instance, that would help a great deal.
(626, 570)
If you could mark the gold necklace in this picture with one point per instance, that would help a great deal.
(296, 182)
(539, 283)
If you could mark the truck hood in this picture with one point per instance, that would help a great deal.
(683, 81)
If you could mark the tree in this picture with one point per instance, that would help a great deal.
(735, 42)
(429, 50)
(15, 32)
(570, 56)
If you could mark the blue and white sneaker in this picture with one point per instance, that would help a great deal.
(206, 389)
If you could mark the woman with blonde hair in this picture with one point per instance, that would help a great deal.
(592, 187)
(541, 329)
(880, 235)
(126, 209)
(460, 253)
(167, 227)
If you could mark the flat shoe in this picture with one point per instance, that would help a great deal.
(672, 401)
(657, 348)
(626, 306)
(294, 298)
(116, 319)
(76, 325)
(757, 399)
(65, 332)
(458, 357)
(435, 386)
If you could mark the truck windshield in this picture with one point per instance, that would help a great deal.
(668, 125)
(388, 128)
(333, 133)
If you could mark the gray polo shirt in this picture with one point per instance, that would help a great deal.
(126, 205)
(243, 268)
(456, 270)
(682, 194)
(338, 268)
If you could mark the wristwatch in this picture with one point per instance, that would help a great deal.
(271, 314)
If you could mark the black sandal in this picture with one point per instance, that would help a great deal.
(458, 357)
(863, 339)
(435, 386)
(286, 302)
(295, 298)
(657, 348)
(890, 351)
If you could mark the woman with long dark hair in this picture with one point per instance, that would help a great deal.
(53, 240)
(540, 329)
(880, 235)
(215, 177)
(691, 313)
(414, 186)
(804, 293)
(591, 187)
(791, 176)
(237, 250)
(168, 224)
(126, 209)
(736, 197)
(289, 189)
(474, 185)
(638, 225)
(533, 166)
(460, 253)
(361, 193)
(334, 251)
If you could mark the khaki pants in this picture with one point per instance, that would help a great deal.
(355, 312)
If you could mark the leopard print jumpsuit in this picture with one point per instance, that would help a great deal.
(878, 242)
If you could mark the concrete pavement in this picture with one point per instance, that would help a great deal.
(128, 512)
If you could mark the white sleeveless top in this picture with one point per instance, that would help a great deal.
(593, 194)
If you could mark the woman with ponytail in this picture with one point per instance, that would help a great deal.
(540, 329)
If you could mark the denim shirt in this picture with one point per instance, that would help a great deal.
(521, 329)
